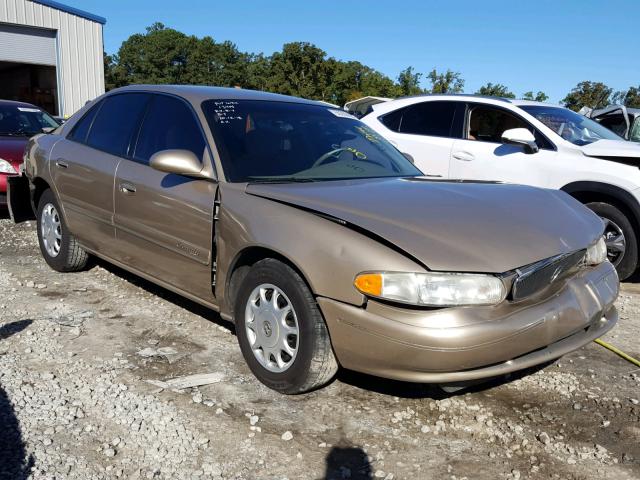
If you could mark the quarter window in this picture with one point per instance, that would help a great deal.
(169, 124)
(116, 122)
(81, 129)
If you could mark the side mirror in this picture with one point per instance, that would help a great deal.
(521, 137)
(48, 129)
(180, 162)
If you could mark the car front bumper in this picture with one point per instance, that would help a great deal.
(471, 343)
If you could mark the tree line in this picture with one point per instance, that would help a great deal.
(166, 56)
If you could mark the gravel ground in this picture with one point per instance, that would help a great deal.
(80, 353)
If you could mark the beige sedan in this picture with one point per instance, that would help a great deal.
(317, 238)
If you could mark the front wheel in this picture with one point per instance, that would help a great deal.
(280, 329)
(622, 245)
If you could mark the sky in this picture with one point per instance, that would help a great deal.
(525, 45)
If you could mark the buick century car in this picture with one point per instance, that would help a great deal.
(318, 239)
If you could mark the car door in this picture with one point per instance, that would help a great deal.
(424, 131)
(83, 167)
(482, 155)
(164, 221)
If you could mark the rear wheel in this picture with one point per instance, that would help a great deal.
(59, 248)
(622, 245)
(280, 329)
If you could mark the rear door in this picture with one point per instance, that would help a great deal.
(83, 167)
(426, 131)
(481, 154)
(164, 221)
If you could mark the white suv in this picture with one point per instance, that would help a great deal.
(519, 141)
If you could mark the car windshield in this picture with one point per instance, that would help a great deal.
(266, 141)
(570, 125)
(24, 121)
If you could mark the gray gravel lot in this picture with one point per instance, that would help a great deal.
(80, 353)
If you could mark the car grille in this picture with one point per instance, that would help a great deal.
(536, 277)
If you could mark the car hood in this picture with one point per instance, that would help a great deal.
(612, 149)
(451, 225)
(12, 149)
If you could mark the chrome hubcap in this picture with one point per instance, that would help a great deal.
(616, 243)
(51, 230)
(272, 328)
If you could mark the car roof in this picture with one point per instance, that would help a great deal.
(198, 93)
(459, 97)
(14, 103)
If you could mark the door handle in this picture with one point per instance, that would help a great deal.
(62, 164)
(464, 156)
(127, 188)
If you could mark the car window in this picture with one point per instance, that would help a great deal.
(615, 123)
(168, 124)
(569, 125)
(81, 129)
(392, 120)
(428, 118)
(634, 135)
(116, 122)
(288, 141)
(24, 120)
(487, 124)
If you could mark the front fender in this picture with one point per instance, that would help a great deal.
(329, 255)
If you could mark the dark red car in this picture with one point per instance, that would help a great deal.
(18, 122)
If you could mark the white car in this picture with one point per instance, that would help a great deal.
(520, 141)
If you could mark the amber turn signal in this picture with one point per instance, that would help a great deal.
(369, 283)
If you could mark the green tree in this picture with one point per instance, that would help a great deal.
(628, 98)
(114, 76)
(538, 97)
(158, 56)
(447, 82)
(351, 80)
(588, 94)
(495, 90)
(300, 69)
(409, 82)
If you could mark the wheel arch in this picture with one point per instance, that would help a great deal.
(589, 191)
(39, 185)
(241, 264)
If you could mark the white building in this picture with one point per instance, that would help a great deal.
(50, 55)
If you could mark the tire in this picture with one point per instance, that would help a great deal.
(616, 222)
(54, 236)
(313, 363)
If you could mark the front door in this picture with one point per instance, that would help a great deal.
(481, 154)
(164, 222)
(84, 164)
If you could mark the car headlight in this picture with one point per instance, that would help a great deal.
(433, 288)
(6, 167)
(596, 253)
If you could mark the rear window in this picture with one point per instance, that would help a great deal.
(116, 122)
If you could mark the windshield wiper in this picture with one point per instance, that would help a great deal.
(281, 179)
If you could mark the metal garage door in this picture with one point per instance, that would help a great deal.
(27, 45)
